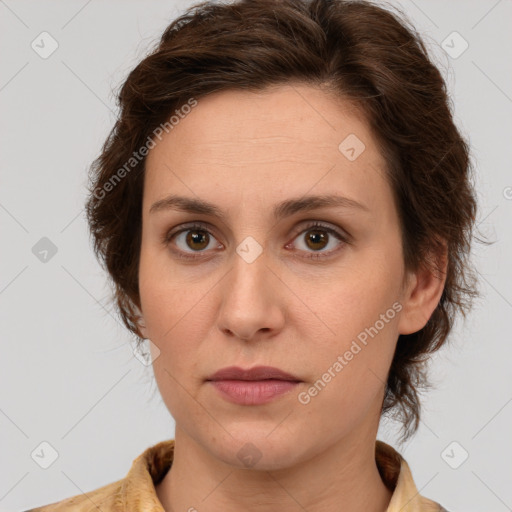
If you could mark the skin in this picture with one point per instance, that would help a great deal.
(245, 152)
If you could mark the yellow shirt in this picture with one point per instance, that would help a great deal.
(136, 492)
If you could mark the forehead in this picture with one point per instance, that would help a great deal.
(285, 140)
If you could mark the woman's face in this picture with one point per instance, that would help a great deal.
(254, 284)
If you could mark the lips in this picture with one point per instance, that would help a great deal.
(255, 386)
(257, 373)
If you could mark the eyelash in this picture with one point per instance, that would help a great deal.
(168, 237)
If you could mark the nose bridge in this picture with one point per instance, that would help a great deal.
(249, 300)
(248, 277)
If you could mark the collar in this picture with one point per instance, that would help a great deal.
(149, 468)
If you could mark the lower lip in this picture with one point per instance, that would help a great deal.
(252, 392)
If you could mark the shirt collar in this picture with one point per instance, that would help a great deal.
(149, 468)
(397, 476)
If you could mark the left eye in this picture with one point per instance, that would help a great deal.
(317, 237)
(198, 239)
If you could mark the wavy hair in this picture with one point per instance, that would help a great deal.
(355, 49)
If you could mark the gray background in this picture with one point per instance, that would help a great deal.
(68, 373)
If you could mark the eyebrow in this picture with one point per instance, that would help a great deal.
(281, 210)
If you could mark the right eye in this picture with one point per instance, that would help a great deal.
(192, 239)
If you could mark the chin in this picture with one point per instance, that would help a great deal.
(254, 449)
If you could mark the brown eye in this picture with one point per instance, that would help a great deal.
(316, 239)
(191, 242)
(197, 239)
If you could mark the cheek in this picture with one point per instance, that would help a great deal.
(166, 295)
(360, 311)
(367, 286)
(351, 365)
(170, 307)
(171, 317)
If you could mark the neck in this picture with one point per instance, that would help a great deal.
(342, 477)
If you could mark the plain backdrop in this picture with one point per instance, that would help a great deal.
(68, 374)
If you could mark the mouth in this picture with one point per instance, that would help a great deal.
(258, 373)
(255, 386)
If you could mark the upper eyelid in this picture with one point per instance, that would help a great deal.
(336, 230)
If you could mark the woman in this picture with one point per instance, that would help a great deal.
(285, 209)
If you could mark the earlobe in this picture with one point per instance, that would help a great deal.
(422, 294)
(142, 331)
(141, 326)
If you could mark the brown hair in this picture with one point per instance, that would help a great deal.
(354, 49)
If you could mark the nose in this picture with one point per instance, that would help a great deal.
(252, 304)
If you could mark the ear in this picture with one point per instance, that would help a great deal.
(141, 325)
(423, 290)
(142, 330)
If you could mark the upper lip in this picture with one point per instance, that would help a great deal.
(256, 373)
